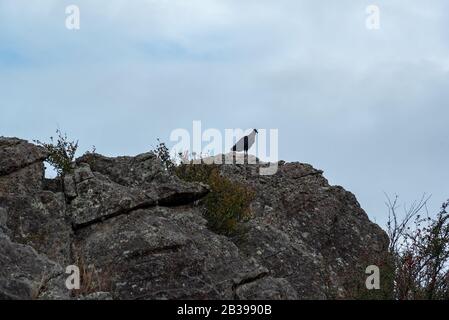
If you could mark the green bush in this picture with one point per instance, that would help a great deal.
(228, 203)
(163, 153)
(61, 153)
(191, 172)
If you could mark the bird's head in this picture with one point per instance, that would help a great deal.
(255, 130)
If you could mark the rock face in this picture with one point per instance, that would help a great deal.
(137, 232)
(21, 166)
(25, 274)
(306, 231)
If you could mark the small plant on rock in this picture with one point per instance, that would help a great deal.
(61, 152)
(163, 153)
(227, 205)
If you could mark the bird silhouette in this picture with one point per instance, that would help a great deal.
(245, 143)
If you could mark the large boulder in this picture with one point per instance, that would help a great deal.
(167, 253)
(39, 221)
(98, 198)
(315, 235)
(101, 188)
(26, 275)
(30, 214)
(21, 166)
(16, 154)
(146, 172)
(137, 232)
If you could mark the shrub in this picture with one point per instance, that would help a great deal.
(354, 278)
(417, 263)
(163, 153)
(419, 245)
(227, 206)
(228, 203)
(61, 153)
(191, 172)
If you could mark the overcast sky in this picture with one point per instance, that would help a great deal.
(369, 107)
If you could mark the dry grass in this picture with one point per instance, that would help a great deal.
(92, 279)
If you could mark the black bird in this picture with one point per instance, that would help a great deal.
(245, 143)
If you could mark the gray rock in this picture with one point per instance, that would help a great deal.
(139, 231)
(55, 185)
(24, 274)
(268, 288)
(39, 221)
(16, 154)
(21, 167)
(164, 253)
(146, 173)
(70, 187)
(83, 172)
(99, 199)
(298, 201)
(138, 172)
(3, 218)
(97, 296)
(27, 180)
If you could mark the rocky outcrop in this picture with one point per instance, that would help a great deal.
(26, 274)
(39, 221)
(16, 154)
(35, 235)
(137, 232)
(145, 172)
(21, 166)
(306, 231)
(166, 253)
